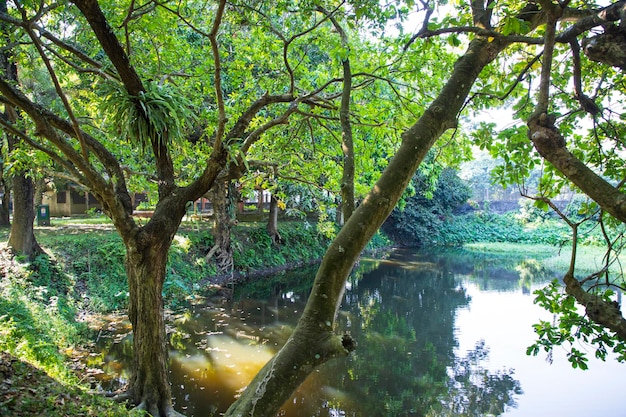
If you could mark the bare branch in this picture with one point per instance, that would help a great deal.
(257, 133)
(59, 90)
(221, 120)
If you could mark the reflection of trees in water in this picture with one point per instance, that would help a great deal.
(492, 271)
(402, 315)
(474, 391)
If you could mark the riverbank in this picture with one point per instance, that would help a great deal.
(46, 306)
(83, 277)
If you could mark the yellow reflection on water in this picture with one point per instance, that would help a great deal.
(225, 361)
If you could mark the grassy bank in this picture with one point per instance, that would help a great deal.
(38, 333)
(92, 259)
(589, 258)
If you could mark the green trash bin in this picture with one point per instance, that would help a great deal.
(43, 215)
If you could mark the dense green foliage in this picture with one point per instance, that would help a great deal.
(420, 219)
(271, 48)
(572, 329)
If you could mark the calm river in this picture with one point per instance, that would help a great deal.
(438, 335)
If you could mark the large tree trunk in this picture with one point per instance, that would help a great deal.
(146, 260)
(313, 342)
(145, 266)
(22, 237)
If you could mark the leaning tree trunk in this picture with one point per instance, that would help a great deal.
(313, 341)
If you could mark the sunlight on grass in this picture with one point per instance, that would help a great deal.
(589, 259)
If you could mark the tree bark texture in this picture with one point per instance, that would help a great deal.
(607, 314)
(5, 202)
(313, 341)
(145, 267)
(222, 250)
(146, 261)
(551, 146)
(272, 222)
(22, 236)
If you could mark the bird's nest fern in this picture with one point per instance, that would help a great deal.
(157, 116)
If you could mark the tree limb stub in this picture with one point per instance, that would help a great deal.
(603, 312)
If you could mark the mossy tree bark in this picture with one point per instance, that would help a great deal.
(222, 250)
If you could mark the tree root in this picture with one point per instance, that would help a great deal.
(121, 397)
(153, 410)
(211, 252)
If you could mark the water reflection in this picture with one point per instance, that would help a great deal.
(401, 311)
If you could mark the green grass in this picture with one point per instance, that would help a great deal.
(528, 249)
(37, 324)
(77, 220)
(588, 258)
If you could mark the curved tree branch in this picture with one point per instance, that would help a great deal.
(219, 93)
(109, 42)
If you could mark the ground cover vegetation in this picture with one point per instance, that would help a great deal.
(227, 89)
(39, 337)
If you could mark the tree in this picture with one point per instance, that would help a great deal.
(222, 250)
(22, 236)
(143, 104)
(564, 98)
(313, 341)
